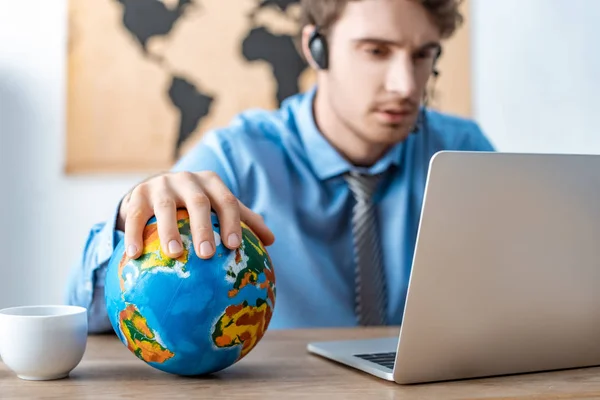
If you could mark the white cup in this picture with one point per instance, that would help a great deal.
(43, 342)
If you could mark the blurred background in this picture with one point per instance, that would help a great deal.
(525, 70)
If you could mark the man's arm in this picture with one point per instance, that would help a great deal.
(85, 286)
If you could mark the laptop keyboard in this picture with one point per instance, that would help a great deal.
(385, 359)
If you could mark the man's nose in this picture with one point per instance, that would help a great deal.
(401, 77)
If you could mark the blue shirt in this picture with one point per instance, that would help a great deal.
(278, 164)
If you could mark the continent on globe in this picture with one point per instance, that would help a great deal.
(145, 19)
(244, 323)
(141, 340)
(192, 104)
(280, 53)
(241, 272)
(153, 259)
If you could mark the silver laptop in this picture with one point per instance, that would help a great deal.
(505, 276)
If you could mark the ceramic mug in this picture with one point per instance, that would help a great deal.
(43, 342)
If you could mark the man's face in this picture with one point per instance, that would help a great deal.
(382, 53)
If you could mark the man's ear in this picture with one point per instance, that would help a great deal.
(307, 31)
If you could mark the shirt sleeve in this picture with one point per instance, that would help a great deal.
(85, 286)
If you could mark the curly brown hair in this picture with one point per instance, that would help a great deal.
(324, 13)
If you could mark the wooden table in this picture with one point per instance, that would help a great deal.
(280, 368)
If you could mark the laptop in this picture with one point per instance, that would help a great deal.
(505, 276)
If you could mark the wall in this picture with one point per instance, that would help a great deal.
(534, 83)
(44, 216)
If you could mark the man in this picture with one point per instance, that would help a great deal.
(337, 174)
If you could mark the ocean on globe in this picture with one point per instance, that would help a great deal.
(190, 316)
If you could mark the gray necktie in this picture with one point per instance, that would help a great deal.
(371, 295)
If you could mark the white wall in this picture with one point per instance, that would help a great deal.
(44, 216)
(537, 74)
(535, 85)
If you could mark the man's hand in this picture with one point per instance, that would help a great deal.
(199, 193)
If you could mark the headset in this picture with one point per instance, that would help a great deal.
(317, 44)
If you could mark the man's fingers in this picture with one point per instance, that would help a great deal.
(164, 203)
(226, 205)
(257, 224)
(199, 207)
(199, 193)
(138, 213)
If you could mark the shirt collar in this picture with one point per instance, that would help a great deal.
(324, 158)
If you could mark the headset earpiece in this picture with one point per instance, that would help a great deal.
(317, 44)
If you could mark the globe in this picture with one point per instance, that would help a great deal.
(191, 316)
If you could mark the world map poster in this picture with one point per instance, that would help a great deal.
(146, 78)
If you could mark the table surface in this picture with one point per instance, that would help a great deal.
(280, 367)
